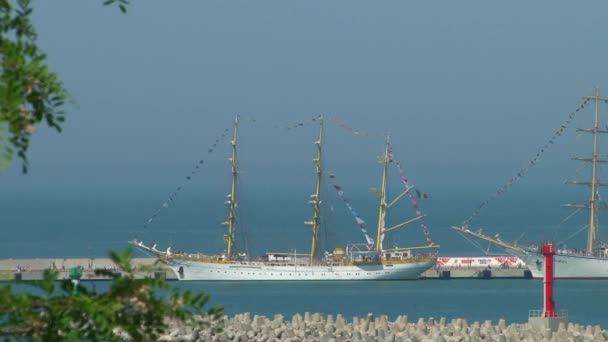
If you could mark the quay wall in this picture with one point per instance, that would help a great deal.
(33, 269)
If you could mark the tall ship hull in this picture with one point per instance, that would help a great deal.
(192, 270)
(568, 266)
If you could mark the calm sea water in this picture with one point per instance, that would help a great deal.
(80, 223)
(475, 300)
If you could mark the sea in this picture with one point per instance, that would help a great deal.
(66, 223)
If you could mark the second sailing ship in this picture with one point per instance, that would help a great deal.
(584, 263)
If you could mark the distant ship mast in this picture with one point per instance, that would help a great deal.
(231, 222)
(316, 197)
(383, 205)
(594, 183)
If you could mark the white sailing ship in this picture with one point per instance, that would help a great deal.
(355, 262)
(588, 263)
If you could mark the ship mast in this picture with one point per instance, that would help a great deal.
(383, 205)
(594, 183)
(231, 222)
(593, 200)
(316, 197)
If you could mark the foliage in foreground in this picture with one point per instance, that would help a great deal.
(30, 92)
(140, 307)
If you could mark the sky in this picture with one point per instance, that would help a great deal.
(468, 90)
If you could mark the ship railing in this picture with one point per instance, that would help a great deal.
(542, 313)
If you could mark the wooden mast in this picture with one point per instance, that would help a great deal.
(316, 197)
(383, 206)
(594, 183)
(231, 222)
(593, 200)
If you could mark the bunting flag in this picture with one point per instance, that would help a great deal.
(358, 219)
(406, 183)
(173, 196)
(531, 163)
(359, 132)
(421, 194)
(299, 124)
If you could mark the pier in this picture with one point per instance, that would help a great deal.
(34, 269)
(476, 273)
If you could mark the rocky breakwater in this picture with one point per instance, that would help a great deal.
(317, 327)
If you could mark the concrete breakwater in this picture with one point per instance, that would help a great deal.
(33, 269)
(318, 327)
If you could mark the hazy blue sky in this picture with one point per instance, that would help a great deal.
(469, 89)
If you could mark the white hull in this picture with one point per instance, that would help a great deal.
(195, 270)
(568, 266)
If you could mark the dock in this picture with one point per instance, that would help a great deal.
(476, 273)
(34, 269)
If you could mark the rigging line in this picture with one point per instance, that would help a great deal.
(475, 244)
(414, 202)
(531, 163)
(581, 167)
(574, 234)
(555, 232)
(521, 236)
(171, 198)
(360, 222)
(329, 218)
(597, 215)
(324, 223)
(239, 218)
(570, 216)
(294, 125)
(357, 132)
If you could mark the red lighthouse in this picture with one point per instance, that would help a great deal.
(549, 307)
(548, 317)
